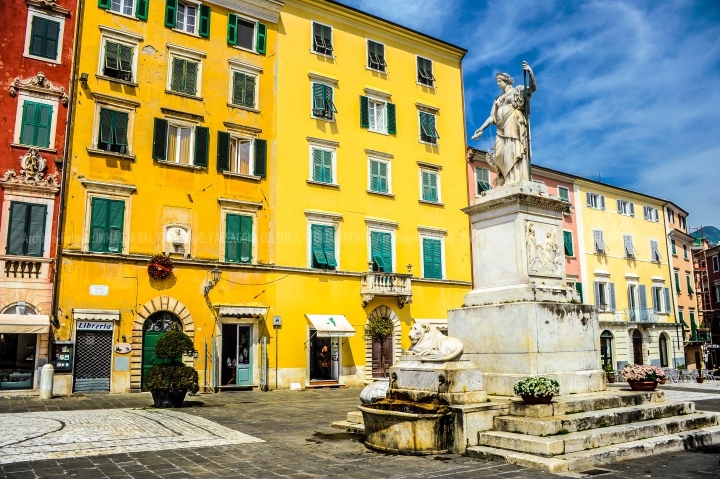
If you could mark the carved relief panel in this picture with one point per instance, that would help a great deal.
(544, 244)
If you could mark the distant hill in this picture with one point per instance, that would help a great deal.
(711, 233)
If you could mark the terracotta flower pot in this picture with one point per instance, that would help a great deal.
(643, 385)
(662, 381)
(537, 399)
(611, 379)
(700, 380)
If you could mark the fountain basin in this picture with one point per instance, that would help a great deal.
(424, 429)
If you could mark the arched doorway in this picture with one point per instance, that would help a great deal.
(662, 345)
(637, 347)
(391, 347)
(606, 340)
(18, 352)
(155, 326)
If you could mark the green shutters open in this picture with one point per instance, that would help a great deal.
(26, 229)
(202, 146)
(238, 238)
(322, 39)
(106, 225)
(428, 132)
(323, 106)
(425, 71)
(260, 166)
(105, 4)
(170, 13)
(232, 29)
(391, 119)
(482, 175)
(44, 38)
(381, 251)
(223, 151)
(204, 25)
(432, 258)
(568, 240)
(364, 112)
(36, 124)
(141, 9)
(261, 40)
(160, 139)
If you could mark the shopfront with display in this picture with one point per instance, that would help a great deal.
(23, 346)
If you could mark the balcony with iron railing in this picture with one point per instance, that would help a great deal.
(640, 315)
(20, 268)
(374, 283)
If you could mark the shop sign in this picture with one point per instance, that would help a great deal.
(94, 326)
(99, 290)
(123, 348)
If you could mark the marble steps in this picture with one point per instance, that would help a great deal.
(353, 423)
(572, 403)
(582, 460)
(549, 426)
(549, 446)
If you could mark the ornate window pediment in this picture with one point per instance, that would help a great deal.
(38, 86)
(32, 174)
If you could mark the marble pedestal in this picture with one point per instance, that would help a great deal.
(454, 382)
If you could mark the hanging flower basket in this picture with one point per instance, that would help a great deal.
(160, 267)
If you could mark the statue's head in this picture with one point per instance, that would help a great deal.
(503, 79)
(417, 331)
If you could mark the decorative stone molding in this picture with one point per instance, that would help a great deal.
(429, 166)
(374, 92)
(268, 10)
(107, 188)
(181, 115)
(239, 205)
(32, 167)
(386, 284)
(187, 52)
(319, 215)
(38, 85)
(323, 78)
(242, 311)
(519, 199)
(114, 100)
(431, 231)
(427, 107)
(176, 240)
(127, 36)
(49, 5)
(379, 154)
(321, 142)
(242, 129)
(381, 223)
(245, 66)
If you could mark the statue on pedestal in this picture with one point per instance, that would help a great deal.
(510, 113)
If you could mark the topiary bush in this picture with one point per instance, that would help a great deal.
(172, 377)
(379, 330)
(174, 345)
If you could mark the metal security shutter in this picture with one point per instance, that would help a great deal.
(93, 355)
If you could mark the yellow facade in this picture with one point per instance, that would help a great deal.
(184, 210)
(625, 266)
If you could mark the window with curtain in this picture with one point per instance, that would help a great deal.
(241, 156)
(179, 146)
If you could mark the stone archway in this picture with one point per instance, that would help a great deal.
(159, 303)
(382, 312)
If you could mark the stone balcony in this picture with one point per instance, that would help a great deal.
(19, 268)
(386, 284)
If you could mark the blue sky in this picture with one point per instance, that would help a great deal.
(629, 91)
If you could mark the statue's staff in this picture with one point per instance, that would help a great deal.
(526, 95)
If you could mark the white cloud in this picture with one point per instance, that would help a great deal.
(427, 16)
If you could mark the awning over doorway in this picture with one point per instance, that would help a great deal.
(242, 311)
(24, 323)
(96, 314)
(331, 325)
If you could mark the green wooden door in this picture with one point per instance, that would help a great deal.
(150, 339)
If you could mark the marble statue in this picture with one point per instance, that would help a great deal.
(428, 341)
(510, 157)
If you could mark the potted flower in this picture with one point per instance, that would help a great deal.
(170, 381)
(642, 377)
(609, 373)
(537, 390)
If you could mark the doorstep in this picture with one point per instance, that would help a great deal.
(324, 385)
(15, 393)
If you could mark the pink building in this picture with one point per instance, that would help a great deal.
(481, 177)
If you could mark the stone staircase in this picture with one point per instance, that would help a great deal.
(577, 432)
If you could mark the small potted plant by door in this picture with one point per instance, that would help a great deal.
(609, 373)
(538, 390)
(169, 382)
(642, 377)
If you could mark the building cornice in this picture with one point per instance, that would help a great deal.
(50, 5)
(94, 186)
(323, 215)
(379, 154)
(268, 10)
(519, 199)
(239, 204)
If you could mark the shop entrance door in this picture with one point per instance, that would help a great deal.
(637, 347)
(93, 355)
(324, 358)
(237, 355)
(387, 350)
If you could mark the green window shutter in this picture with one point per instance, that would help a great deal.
(126, 54)
(567, 236)
(191, 70)
(98, 224)
(37, 36)
(689, 284)
(318, 99)
(329, 246)
(160, 132)
(107, 120)
(674, 247)
(112, 55)
(116, 218)
(387, 251)
(35, 242)
(376, 250)
(483, 179)
(317, 157)
(27, 129)
(121, 126)
(232, 29)
(260, 166)
(204, 26)
(364, 112)
(249, 93)
(170, 13)
(245, 239)
(391, 119)
(374, 175)
(104, 4)
(177, 82)
(239, 88)
(578, 287)
(437, 255)
(564, 194)
(327, 166)
(17, 227)
(431, 126)
(202, 146)
(382, 177)
(677, 283)
(425, 185)
(223, 151)
(232, 238)
(329, 104)
(141, 9)
(318, 252)
(43, 114)
(52, 37)
(261, 40)
(432, 258)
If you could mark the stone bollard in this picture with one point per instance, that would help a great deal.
(46, 381)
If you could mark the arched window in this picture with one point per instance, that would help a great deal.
(663, 351)
(637, 347)
(606, 339)
(19, 308)
(162, 321)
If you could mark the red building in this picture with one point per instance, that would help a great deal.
(707, 274)
(37, 55)
(481, 178)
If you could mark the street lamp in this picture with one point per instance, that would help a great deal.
(214, 280)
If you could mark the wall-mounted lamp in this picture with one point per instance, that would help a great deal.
(409, 268)
(214, 279)
(84, 77)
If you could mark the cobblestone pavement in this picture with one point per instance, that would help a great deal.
(299, 444)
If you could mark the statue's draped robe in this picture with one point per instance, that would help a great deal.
(510, 158)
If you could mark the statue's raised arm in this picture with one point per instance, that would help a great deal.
(509, 113)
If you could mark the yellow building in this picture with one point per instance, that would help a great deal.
(625, 265)
(173, 130)
(276, 152)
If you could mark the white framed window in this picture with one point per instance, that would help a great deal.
(323, 161)
(716, 263)
(376, 56)
(564, 193)
(661, 299)
(113, 130)
(107, 229)
(599, 242)
(244, 87)
(717, 293)
(376, 110)
(238, 231)
(36, 121)
(177, 141)
(241, 155)
(381, 246)
(605, 296)
(379, 176)
(432, 252)
(124, 7)
(595, 201)
(180, 143)
(671, 216)
(628, 246)
(322, 39)
(430, 190)
(185, 68)
(482, 179)
(655, 255)
(425, 75)
(650, 213)
(626, 208)
(187, 17)
(44, 36)
(323, 101)
(118, 55)
(427, 128)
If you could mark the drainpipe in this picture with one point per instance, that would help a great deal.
(68, 154)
